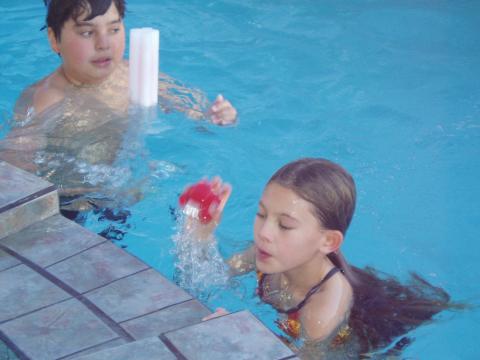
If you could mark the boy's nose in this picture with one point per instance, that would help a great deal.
(102, 42)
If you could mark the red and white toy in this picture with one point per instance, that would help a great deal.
(199, 201)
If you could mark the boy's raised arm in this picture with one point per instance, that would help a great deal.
(175, 96)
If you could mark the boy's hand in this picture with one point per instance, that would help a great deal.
(222, 112)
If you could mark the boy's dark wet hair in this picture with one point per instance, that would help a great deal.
(60, 11)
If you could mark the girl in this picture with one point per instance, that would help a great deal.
(326, 307)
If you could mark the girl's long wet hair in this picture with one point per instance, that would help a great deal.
(384, 310)
(60, 11)
(330, 189)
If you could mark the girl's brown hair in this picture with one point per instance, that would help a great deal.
(331, 191)
(384, 309)
(326, 185)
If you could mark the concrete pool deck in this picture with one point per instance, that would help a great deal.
(68, 293)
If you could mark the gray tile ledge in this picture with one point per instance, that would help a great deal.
(17, 184)
(240, 335)
(51, 241)
(146, 349)
(20, 217)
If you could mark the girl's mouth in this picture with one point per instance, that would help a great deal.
(262, 255)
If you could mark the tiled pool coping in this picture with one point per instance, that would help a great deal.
(68, 293)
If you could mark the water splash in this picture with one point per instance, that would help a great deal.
(92, 174)
(199, 267)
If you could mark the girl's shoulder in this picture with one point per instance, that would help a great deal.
(327, 309)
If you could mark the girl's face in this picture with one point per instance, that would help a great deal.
(91, 49)
(287, 234)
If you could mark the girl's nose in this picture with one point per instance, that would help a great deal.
(265, 232)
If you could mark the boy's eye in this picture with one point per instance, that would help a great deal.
(114, 30)
(86, 34)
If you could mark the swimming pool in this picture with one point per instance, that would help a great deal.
(388, 89)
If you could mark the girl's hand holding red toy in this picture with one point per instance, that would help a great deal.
(203, 204)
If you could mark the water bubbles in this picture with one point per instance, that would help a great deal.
(103, 174)
(199, 267)
(162, 169)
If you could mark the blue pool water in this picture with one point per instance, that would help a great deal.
(389, 89)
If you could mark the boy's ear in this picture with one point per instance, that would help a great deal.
(332, 241)
(53, 41)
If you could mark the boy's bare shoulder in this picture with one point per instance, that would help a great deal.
(40, 95)
(48, 92)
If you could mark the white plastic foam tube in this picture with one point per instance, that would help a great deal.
(143, 67)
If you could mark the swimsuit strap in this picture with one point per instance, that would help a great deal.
(312, 291)
(261, 280)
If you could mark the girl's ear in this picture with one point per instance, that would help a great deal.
(53, 41)
(332, 241)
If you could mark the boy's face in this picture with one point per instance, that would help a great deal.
(91, 49)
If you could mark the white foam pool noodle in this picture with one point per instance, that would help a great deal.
(143, 68)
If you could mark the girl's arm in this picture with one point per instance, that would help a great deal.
(239, 263)
(243, 262)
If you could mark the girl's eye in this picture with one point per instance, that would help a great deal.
(284, 227)
(115, 30)
(260, 215)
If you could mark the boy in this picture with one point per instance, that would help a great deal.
(89, 36)
(73, 123)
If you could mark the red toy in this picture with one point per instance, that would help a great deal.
(198, 199)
